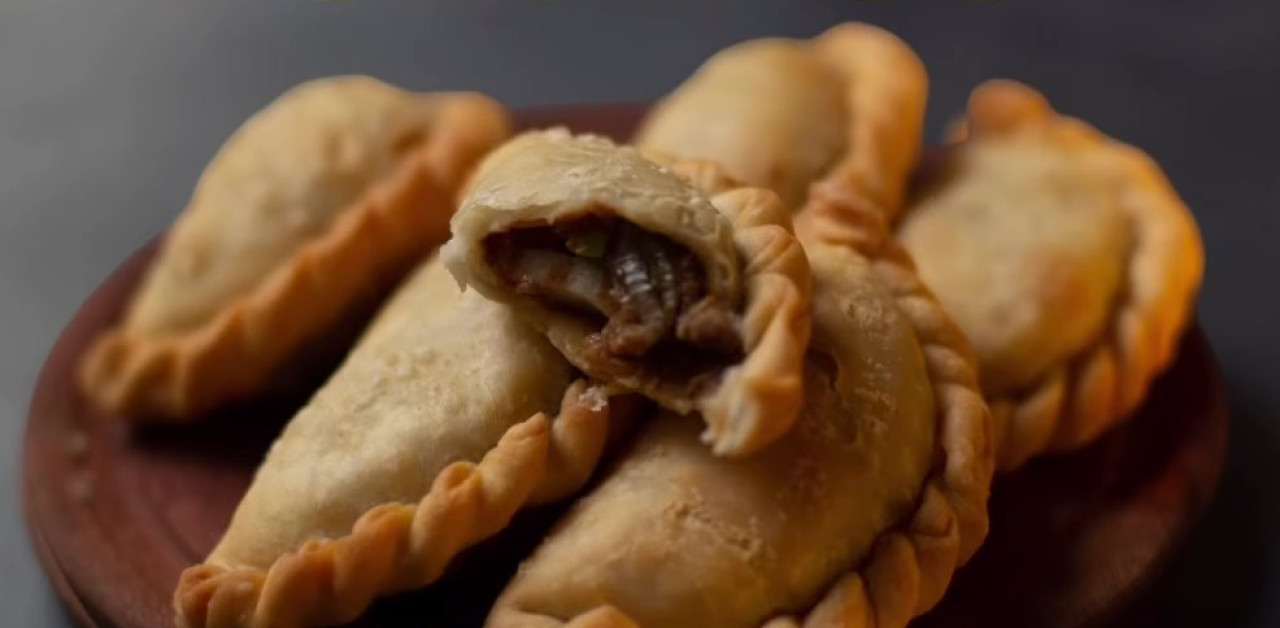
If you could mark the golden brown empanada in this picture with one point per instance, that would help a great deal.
(1067, 258)
(327, 195)
(886, 91)
(774, 108)
(697, 299)
(783, 114)
(856, 518)
(428, 439)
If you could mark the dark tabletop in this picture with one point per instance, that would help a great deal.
(110, 108)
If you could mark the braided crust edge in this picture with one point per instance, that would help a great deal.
(397, 547)
(373, 241)
(759, 399)
(908, 568)
(1106, 382)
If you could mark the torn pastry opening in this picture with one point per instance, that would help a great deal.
(646, 295)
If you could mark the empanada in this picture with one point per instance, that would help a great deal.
(856, 518)
(427, 440)
(1067, 258)
(697, 299)
(783, 114)
(314, 204)
(771, 105)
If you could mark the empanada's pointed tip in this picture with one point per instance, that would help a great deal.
(210, 596)
(1003, 105)
(734, 441)
(453, 257)
(534, 428)
(857, 29)
(97, 373)
(740, 427)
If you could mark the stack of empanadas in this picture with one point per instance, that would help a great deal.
(1066, 257)
(445, 378)
(728, 313)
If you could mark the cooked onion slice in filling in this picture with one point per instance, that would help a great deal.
(650, 292)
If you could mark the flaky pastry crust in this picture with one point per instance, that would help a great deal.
(153, 368)
(397, 547)
(909, 566)
(1157, 272)
(742, 236)
(886, 89)
(783, 114)
(910, 569)
(440, 376)
(771, 112)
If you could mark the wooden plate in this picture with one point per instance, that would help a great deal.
(116, 513)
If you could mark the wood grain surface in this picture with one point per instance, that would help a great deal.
(115, 512)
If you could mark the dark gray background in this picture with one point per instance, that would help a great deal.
(110, 108)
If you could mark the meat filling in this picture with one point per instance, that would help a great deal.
(649, 291)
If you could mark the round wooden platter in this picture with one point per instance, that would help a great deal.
(116, 512)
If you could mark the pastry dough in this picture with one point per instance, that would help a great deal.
(696, 298)
(887, 88)
(857, 518)
(769, 110)
(782, 114)
(431, 435)
(1067, 258)
(329, 194)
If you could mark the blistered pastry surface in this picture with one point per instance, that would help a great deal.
(770, 111)
(278, 182)
(439, 377)
(167, 369)
(677, 537)
(1026, 246)
(1066, 256)
(743, 236)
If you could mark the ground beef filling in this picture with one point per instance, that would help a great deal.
(650, 292)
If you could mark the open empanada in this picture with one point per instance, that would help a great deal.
(856, 518)
(1067, 258)
(316, 203)
(695, 298)
(427, 440)
(783, 114)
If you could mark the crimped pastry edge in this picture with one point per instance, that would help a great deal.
(908, 569)
(758, 399)
(397, 547)
(1103, 384)
(910, 566)
(177, 378)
